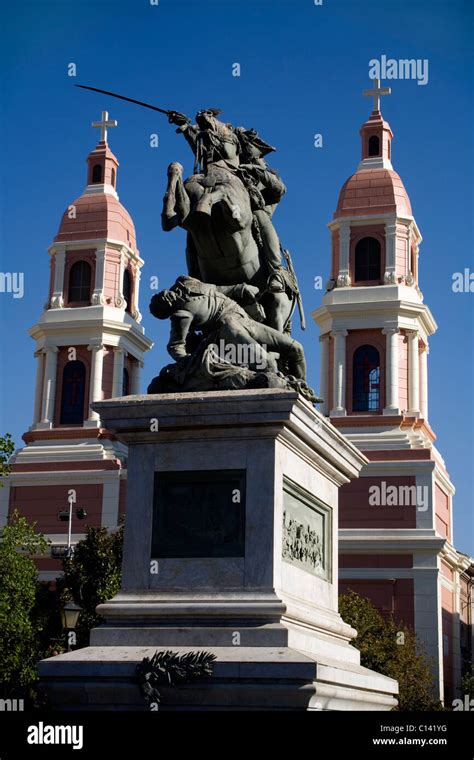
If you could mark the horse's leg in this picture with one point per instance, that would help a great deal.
(169, 217)
(208, 199)
(176, 204)
(278, 310)
(270, 239)
(183, 202)
(236, 212)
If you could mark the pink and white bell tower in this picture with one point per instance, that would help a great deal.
(395, 530)
(90, 345)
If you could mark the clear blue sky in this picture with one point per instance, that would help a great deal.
(303, 68)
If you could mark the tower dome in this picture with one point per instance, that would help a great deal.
(373, 191)
(98, 213)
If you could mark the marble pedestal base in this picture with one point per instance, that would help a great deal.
(263, 599)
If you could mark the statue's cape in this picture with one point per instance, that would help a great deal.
(251, 137)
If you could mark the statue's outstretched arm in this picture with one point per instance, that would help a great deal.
(190, 132)
(185, 127)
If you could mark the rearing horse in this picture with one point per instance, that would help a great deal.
(221, 249)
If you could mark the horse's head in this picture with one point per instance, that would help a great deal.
(206, 118)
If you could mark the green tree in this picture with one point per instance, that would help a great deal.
(19, 627)
(392, 650)
(92, 576)
(6, 450)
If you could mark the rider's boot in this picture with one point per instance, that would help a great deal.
(296, 361)
(276, 281)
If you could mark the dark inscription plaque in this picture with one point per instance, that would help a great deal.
(199, 514)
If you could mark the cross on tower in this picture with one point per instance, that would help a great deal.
(103, 124)
(376, 93)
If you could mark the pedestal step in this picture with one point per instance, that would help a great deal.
(244, 678)
(273, 635)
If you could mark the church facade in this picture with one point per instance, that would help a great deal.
(90, 345)
(395, 533)
(396, 520)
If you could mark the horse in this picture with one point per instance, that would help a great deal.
(216, 212)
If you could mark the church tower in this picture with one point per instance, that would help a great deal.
(395, 525)
(89, 346)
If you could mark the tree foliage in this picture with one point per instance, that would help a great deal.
(92, 576)
(6, 450)
(19, 625)
(392, 650)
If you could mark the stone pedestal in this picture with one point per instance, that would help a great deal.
(231, 547)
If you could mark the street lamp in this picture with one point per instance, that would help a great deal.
(70, 615)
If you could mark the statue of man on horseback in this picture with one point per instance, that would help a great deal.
(240, 290)
(231, 177)
(226, 206)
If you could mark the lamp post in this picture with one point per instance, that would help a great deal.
(69, 527)
(64, 515)
(69, 617)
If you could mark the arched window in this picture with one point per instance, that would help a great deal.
(79, 290)
(366, 380)
(113, 177)
(367, 260)
(374, 146)
(97, 174)
(73, 394)
(127, 289)
(126, 382)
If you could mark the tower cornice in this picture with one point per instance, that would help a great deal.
(78, 245)
(64, 331)
(361, 221)
(398, 314)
